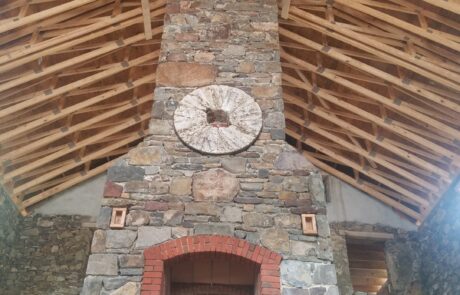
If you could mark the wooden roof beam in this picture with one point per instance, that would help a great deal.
(95, 155)
(385, 124)
(373, 138)
(94, 120)
(387, 53)
(358, 150)
(433, 36)
(78, 84)
(19, 22)
(372, 192)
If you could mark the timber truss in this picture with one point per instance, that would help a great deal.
(371, 91)
(76, 83)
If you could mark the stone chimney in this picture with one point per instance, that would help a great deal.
(214, 183)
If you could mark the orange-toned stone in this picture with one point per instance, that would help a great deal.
(185, 74)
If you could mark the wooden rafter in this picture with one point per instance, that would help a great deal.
(73, 95)
(381, 110)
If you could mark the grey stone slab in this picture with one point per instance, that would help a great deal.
(125, 173)
(118, 239)
(214, 229)
(92, 286)
(324, 274)
(150, 236)
(103, 219)
(297, 274)
(102, 264)
(130, 261)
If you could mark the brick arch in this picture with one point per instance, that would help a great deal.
(156, 256)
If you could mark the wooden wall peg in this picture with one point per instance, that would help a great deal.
(309, 224)
(118, 218)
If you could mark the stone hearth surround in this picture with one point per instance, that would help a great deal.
(173, 193)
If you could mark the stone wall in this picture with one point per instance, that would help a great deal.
(47, 256)
(9, 219)
(427, 262)
(171, 191)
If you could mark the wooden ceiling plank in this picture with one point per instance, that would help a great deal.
(21, 188)
(379, 121)
(146, 18)
(364, 20)
(377, 195)
(433, 36)
(358, 150)
(369, 173)
(69, 110)
(112, 46)
(360, 89)
(448, 5)
(384, 51)
(64, 41)
(384, 142)
(373, 71)
(56, 136)
(16, 23)
(78, 84)
(74, 146)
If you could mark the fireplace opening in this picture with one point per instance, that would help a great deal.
(217, 118)
(211, 273)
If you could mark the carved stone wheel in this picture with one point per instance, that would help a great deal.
(218, 120)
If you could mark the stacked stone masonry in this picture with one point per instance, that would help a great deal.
(48, 255)
(172, 192)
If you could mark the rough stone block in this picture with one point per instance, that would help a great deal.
(214, 229)
(156, 206)
(274, 120)
(324, 274)
(173, 217)
(297, 274)
(293, 161)
(102, 264)
(137, 218)
(231, 214)
(332, 290)
(257, 220)
(215, 185)
(201, 209)
(92, 285)
(130, 288)
(297, 184)
(316, 187)
(112, 190)
(98, 243)
(119, 239)
(295, 291)
(130, 261)
(288, 220)
(150, 236)
(146, 155)
(103, 219)
(181, 185)
(185, 74)
(234, 165)
(276, 239)
(125, 173)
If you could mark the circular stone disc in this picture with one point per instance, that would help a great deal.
(194, 120)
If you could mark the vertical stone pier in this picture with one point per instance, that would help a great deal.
(246, 204)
